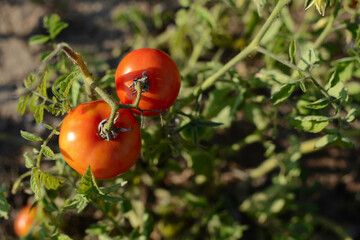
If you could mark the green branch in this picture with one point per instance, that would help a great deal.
(245, 52)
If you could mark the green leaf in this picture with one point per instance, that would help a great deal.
(43, 86)
(345, 70)
(113, 188)
(312, 124)
(111, 198)
(309, 3)
(23, 100)
(48, 126)
(125, 206)
(30, 136)
(86, 183)
(56, 30)
(79, 202)
(39, 39)
(5, 207)
(333, 80)
(66, 84)
(219, 98)
(326, 140)
(35, 181)
(354, 89)
(184, 3)
(302, 86)
(39, 113)
(75, 92)
(346, 142)
(48, 152)
(57, 94)
(336, 88)
(98, 229)
(284, 93)
(50, 182)
(148, 221)
(339, 92)
(50, 22)
(318, 104)
(29, 160)
(292, 51)
(16, 185)
(351, 115)
(256, 115)
(308, 60)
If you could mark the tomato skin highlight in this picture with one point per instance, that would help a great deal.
(24, 220)
(81, 146)
(164, 79)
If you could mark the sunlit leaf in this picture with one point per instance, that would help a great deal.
(29, 160)
(39, 39)
(35, 182)
(50, 182)
(23, 100)
(312, 124)
(30, 136)
(46, 150)
(318, 104)
(326, 140)
(284, 93)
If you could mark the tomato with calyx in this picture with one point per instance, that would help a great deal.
(81, 145)
(162, 83)
(24, 220)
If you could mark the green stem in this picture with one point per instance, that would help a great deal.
(45, 98)
(280, 60)
(245, 52)
(328, 28)
(88, 78)
(333, 226)
(47, 140)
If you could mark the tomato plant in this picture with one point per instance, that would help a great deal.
(24, 220)
(163, 79)
(81, 145)
(264, 84)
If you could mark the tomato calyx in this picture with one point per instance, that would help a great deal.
(140, 83)
(106, 134)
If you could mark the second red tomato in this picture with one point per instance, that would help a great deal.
(163, 79)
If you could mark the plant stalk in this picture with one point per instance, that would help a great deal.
(245, 52)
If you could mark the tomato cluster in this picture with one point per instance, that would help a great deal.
(82, 142)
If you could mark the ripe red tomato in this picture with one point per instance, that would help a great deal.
(81, 146)
(24, 220)
(163, 79)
